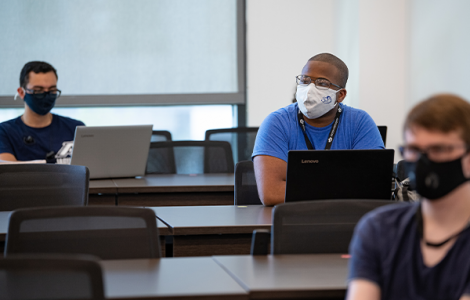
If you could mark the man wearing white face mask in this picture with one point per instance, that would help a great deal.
(317, 121)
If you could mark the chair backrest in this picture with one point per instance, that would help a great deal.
(246, 191)
(48, 277)
(242, 140)
(160, 136)
(383, 133)
(34, 185)
(402, 170)
(190, 157)
(322, 226)
(106, 232)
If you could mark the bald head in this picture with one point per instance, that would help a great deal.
(343, 72)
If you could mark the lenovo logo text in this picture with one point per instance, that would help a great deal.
(309, 161)
(87, 135)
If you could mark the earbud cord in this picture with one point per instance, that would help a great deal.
(28, 135)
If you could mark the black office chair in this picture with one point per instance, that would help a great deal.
(402, 170)
(242, 140)
(50, 277)
(246, 191)
(321, 226)
(383, 133)
(160, 136)
(189, 157)
(106, 232)
(34, 185)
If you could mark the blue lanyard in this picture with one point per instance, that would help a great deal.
(331, 135)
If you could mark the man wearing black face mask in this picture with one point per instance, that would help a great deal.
(37, 132)
(421, 250)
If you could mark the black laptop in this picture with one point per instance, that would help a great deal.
(339, 174)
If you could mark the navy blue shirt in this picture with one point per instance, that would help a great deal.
(46, 139)
(281, 132)
(385, 249)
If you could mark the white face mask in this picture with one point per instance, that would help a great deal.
(314, 103)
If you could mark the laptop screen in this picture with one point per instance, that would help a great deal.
(112, 151)
(339, 174)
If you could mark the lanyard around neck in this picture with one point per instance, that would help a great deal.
(331, 135)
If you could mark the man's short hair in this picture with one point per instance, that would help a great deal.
(36, 67)
(443, 113)
(335, 61)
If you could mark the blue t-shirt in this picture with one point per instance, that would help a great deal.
(281, 132)
(46, 139)
(385, 249)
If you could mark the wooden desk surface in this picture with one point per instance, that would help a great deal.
(105, 186)
(195, 220)
(289, 276)
(5, 217)
(165, 183)
(169, 278)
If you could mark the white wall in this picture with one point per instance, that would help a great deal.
(383, 56)
(440, 48)
(281, 37)
(369, 35)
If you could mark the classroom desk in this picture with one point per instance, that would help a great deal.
(213, 230)
(176, 190)
(102, 192)
(169, 278)
(313, 276)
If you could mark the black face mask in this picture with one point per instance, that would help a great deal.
(435, 180)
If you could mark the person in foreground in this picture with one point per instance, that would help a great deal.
(37, 132)
(422, 250)
(318, 120)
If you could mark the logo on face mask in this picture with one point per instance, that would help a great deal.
(314, 103)
(326, 100)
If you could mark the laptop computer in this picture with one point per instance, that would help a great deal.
(112, 151)
(339, 174)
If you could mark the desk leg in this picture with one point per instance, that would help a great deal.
(163, 246)
(207, 245)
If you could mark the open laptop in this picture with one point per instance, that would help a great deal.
(112, 151)
(339, 174)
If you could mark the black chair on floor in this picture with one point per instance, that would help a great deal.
(242, 140)
(189, 157)
(383, 133)
(106, 232)
(246, 191)
(160, 136)
(35, 185)
(31, 277)
(309, 227)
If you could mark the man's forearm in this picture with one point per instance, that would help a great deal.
(270, 175)
(274, 194)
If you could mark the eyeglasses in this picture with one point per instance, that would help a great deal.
(320, 83)
(436, 153)
(41, 94)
